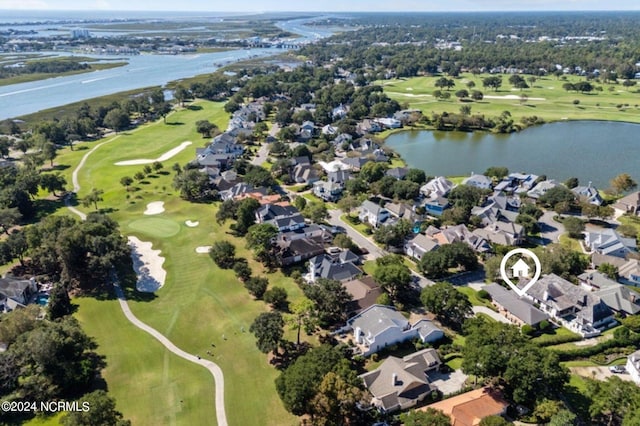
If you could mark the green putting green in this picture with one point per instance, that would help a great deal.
(155, 227)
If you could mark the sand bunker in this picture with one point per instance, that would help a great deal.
(203, 249)
(191, 224)
(164, 157)
(148, 265)
(155, 207)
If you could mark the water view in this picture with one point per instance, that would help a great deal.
(590, 150)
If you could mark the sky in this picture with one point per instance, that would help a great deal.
(322, 5)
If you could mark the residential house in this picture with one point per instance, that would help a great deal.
(299, 249)
(364, 292)
(628, 205)
(341, 139)
(364, 145)
(329, 130)
(400, 383)
(436, 206)
(503, 233)
(407, 115)
(588, 194)
(16, 292)
(629, 273)
(518, 310)
(238, 190)
(478, 181)
(499, 207)
(469, 408)
(541, 188)
(380, 326)
(332, 268)
(388, 123)
(609, 242)
(327, 190)
(419, 245)
(309, 231)
(339, 176)
(372, 213)
(354, 163)
(436, 188)
(368, 126)
(401, 211)
(304, 173)
(397, 172)
(284, 218)
(616, 296)
(339, 112)
(577, 309)
(523, 182)
(459, 233)
(633, 367)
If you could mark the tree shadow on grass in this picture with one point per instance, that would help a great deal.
(175, 123)
(60, 167)
(44, 207)
(194, 108)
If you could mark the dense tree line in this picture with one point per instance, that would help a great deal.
(51, 66)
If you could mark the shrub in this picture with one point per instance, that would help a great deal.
(484, 294)
(544, 324)
(527, 330)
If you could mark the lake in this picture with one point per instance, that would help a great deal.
(593, 151)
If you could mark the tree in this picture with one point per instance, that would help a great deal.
(465, 110)
(572, 182)
(330, 299)
(242, 269)
(49, 152)
(416, 175)
(18, 323)
(181, 94)
(102, 411)
(257, 286)
(574, 226)
(372, 171)
(612, 400)
(477, 95)
(343, 241)
(223, 254)
(139, 176)
(245, 215)
(609, 270)
(561, 261)
(557, 195)
(623, 183)
(546, 409)
(268, 328)
(563, 418)
(302, 317)
(9, 217)
(59, 303)
(259, 238)
(205, 128)
(348, 202)
(393, 276)
(116, 119)
(163, 110)
(437, 263)
(428, 417)
(94, 197)
(157, 166)
(316, 211)
(493, 82)
(497, 172)
(258, 176)
(336, 402)
(494, 421)
(126, 181)
(193, 185)
(299, 383)
(276, 297)
(447, 303)
(462, 94)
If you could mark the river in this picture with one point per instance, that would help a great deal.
(593, 151)
(141, 71)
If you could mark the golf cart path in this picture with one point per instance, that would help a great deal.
(213, 368)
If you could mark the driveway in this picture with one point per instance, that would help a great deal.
(493, 314)
(261, 156)
(448, 383)
(550, 230)
(598, 373)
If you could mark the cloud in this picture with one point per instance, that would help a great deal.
(102, 5)
(23, 4)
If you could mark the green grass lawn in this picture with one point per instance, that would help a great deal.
(570, 243)
(561, 331)
(474, 298)
(546, 99)
(199, 304)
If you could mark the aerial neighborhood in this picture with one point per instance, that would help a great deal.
(314, 270)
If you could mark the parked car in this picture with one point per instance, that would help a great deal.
(617, 369)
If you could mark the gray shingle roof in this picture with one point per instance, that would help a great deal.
(519, 308)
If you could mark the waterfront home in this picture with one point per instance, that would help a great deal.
(541, 188)
(397, 172)
(400, 383)
(436, 188)
(478, 181)
(436, 206)
(628, 205)
(588, 194)
(381, 326)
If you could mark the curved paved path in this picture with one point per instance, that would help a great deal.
(215, 370)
